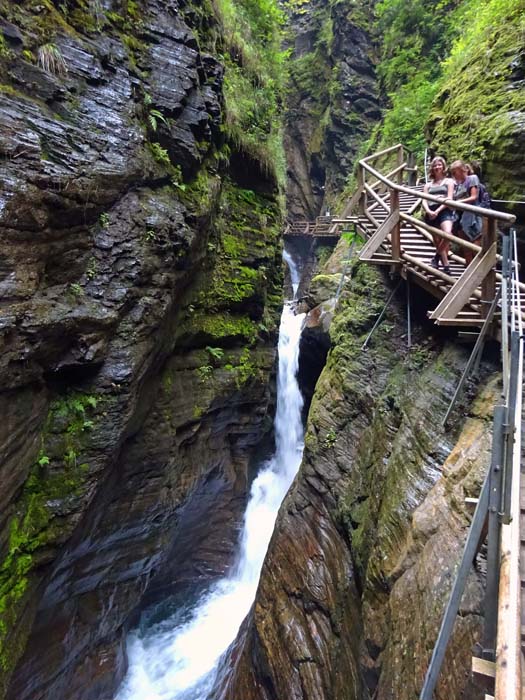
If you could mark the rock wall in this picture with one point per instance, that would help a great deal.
(140, 288)
(332, 101)
(365, 548)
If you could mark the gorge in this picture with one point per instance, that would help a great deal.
(150, 155)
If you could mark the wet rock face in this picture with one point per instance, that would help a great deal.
(333, 100)
(140, 284)
(364, 552)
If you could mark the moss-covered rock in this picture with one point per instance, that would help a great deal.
(480, 109)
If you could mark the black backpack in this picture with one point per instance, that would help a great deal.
(484, 200)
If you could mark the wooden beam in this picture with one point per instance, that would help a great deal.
(483, 667)
(382, 153)
(395, 233)
(379, 236)
(488, 287)
(460, 321)
(378, 199)
(463, 289)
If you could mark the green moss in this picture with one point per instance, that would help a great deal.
(55, 480)
(245, 218)
(475, 115)
(4, 49)
(253, 80)
(218, 327)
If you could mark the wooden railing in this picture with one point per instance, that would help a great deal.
(368, 197)
(323, 226)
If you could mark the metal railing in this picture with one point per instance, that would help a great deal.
(498, 509)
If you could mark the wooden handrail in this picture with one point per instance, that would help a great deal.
(452, 204)
(399, 168)
(382, 153)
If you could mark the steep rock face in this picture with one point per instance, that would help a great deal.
(365, 548)
(332, 100)
(140, 279)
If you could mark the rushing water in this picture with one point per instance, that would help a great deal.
(178, 658)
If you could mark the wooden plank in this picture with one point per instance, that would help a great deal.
(463, 289)
(428, 268)
(459, 321)
(483, 667)
(379, 236)
(488, 287)
(396, 228)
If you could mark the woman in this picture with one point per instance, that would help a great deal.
(467, 225)
(439, 215)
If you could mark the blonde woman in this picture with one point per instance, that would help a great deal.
(439, 215)
(468, 225)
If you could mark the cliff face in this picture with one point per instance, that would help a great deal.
(140, 282)
(364, 552)
(332, 100)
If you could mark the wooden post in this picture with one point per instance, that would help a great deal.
(412, 174)
(400, 161)
(395, 236)
(361, 187)
(488, 286)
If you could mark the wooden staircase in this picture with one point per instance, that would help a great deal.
(397, 238)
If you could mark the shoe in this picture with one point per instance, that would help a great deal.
(435, 262)
(446, 270)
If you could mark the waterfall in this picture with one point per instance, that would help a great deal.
(178, 658)
(295, 275)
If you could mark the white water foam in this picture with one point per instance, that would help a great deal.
(295, 275)
(179, 661)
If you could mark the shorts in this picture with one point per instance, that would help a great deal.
(444, 215)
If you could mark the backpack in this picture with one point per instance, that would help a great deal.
(484, 200)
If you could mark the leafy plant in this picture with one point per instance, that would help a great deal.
(43, 460)
(51, 61)
(215, 353)
(150, 236)
(159, 153)
(330, 439)
(177, 178)
(204, 373)
(153, 116)
(91, 269)
(75, 289)
(352, 237)
(104, 220)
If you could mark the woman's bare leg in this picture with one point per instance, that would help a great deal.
(444, 246)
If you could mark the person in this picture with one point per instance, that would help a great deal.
(467, 225)
(439, 215)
